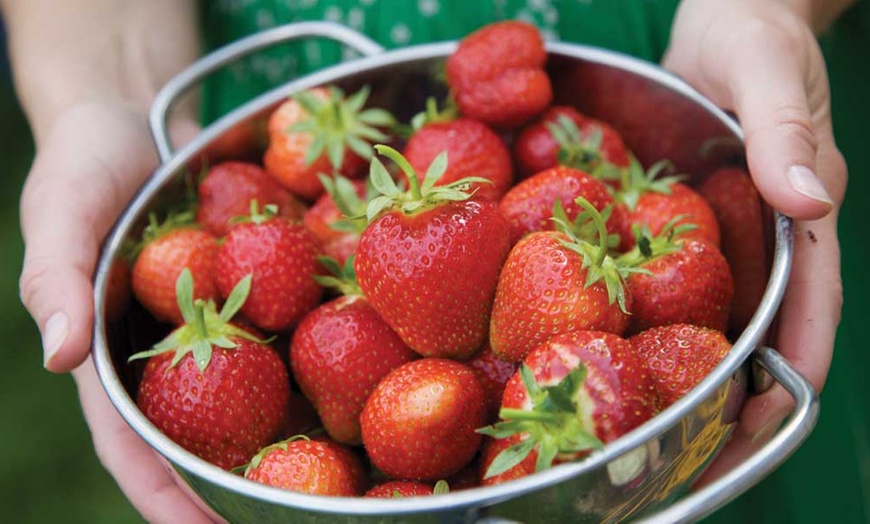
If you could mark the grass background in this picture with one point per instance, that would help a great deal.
(49, 472)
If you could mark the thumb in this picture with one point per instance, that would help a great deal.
(85, 171)
(770, 96)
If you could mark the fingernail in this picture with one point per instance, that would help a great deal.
(54, 333)
(804, 181)
(766, 432)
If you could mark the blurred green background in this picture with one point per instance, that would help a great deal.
(49, 472)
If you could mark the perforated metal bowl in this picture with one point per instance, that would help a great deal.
(641, 475)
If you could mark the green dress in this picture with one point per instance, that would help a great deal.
(829, 477)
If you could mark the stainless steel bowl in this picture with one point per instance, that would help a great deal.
(646, 473)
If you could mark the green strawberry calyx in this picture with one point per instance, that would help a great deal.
(156, 229)
(552, 426)
(353, 208)
(418, 197)
(432, 115)
(597, 262)
(577, 151)
(256, 215)
(244, 469)
(635, 181)
(338, 123)
(342, 278)
(204, 327)
(649, 247)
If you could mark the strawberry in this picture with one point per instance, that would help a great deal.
(428, 261)
(737, 205)
(554, 282)
(573, 393)
(493, 373)
(212, 387)
(315, 467)
(683, 280)
(654, 201)
(282, 256)
(321, 131)
(332, 219)
(227, 190)
(407, 488)
(419, 423)
(301, 416)
(564, 136)
(167, 251)
(679, 356)
(528, 206)
(339, 353)
(472, 150)
(491, 449)
(497, 74)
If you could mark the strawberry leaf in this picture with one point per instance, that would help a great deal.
(509, 458)
(236, 298)
(435, 172)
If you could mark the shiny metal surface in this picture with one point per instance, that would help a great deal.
(643, 472)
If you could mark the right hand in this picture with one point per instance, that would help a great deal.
(89, 162)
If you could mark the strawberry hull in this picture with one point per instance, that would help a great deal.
(670, 450)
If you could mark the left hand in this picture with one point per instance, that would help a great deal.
(761, 60)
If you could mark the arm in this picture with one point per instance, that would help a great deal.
(85, 72)
(762, 61)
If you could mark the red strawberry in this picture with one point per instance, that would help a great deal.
(528, 206)
(321, 131)
(301, 417)
(429, 260)
(472, 150)
(493, 373)
(654, 201)
(315, 467)
(683, 280)
(338, 354)
(419, 423)
(332, 219)
(212, 387)
(679, 356)
(407, 488)
(737, 206)
(572, 393)
(563, 136)
(162, 260)
(554, 282)
(282, 257)
(228, 189)
(497, 74)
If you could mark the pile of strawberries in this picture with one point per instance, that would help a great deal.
(510, 291)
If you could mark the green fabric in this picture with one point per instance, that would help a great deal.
(828, 479)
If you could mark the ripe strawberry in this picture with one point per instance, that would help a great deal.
(332, 219)
(227, 190)
(683, 280)
(654, 201)
(493, 373)
(497, 74)
(301, 416)
(572, 393)
(737, 206)
(472, 150)
(315, 467)
(213, 388)
(282, 257)
(167, 252)
(338, 354)
(679, 356)
(528, 206)
(419, 423)
(428, 261)
(564, 136)
(407, 488)
(321, 131)
(554, 282)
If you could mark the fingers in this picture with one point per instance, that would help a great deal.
(76, 188)
(146, 482)
(769, 83)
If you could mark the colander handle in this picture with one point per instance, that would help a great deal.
(790, 436)
(193, 74)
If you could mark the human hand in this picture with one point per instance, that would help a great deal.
(89, 162)
(761, 60)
